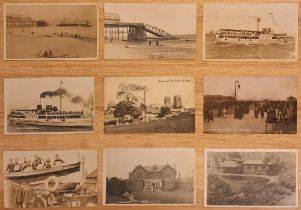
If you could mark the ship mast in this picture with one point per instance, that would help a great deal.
(61, 96)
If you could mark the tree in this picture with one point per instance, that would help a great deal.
(130, 103)
(129, 93)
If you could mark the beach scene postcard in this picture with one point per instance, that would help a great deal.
(250, 31)
(149, 31)
(50, 31)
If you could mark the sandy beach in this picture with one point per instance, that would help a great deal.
(167, 49)
(32, 42)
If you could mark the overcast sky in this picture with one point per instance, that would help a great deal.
(174, 18)
(242, 16)
(158, 88)
(54, 11)
(120, 161)
(255, 88)
(25, 92)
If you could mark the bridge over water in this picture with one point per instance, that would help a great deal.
(134, 31)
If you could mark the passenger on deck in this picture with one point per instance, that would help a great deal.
(10, 166)
(57, 160)
(36, 162)
(25, 164)
(17, 166)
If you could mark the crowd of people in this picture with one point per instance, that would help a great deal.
(38, 163)
(273, 112)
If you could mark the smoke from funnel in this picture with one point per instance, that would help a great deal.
(76, 99)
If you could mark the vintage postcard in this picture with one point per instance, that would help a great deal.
(149, 30)
(50, 31)
(251, 178)
(149, 176)
(250, 104)
(149, 104)
(48, 105)
(250, 31)
(46, 179)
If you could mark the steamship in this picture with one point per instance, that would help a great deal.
(264, 36)
(85, 23)
(50, 116)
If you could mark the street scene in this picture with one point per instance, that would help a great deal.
(250, 105)
(251, 178)
(46, 179)
(149, 176)
(149, 105)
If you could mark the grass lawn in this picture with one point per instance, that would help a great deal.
(177, 197)
(180, 197)
(176, 124)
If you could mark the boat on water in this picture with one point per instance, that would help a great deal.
(50, 116)
(250, 37)
(83, 23)
(44, 173)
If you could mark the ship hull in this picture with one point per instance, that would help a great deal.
(42, 174)
(83, 122)
(250, 41)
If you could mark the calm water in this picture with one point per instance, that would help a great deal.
(216, 50)
(38, 129)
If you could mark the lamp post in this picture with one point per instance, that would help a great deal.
(236, 84)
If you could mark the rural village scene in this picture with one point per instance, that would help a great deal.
(251, 31)
(149, 31)
(149, 176)
(246, 104)
(46, 179)
(251, 178)
(51, 31)
(149, 105)
(56, 104)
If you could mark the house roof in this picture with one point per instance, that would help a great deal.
(230, 164)
(253, 162)
(155, 168)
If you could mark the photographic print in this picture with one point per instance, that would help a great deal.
(56, 31)
(253, 31)
(251, 178)
(48, 105)
(46, 179)
(149, 176)
(149, 105)
(149, 31)
(250, 104)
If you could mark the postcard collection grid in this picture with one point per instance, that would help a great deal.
(150, 105)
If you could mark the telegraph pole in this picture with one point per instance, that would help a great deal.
(238, 86)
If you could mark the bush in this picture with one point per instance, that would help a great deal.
(288, 179)
(217, 190)
(115, 186)
(164, 110)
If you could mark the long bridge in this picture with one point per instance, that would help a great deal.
(114, 29)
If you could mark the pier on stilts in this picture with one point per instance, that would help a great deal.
(134, 32)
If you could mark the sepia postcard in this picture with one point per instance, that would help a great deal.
(46, 179)
(149, 105)
(149, 30)
(149, 176)
(251, 178)
(50, 31)
(48, 105)
(250, 31)
(250, 104)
